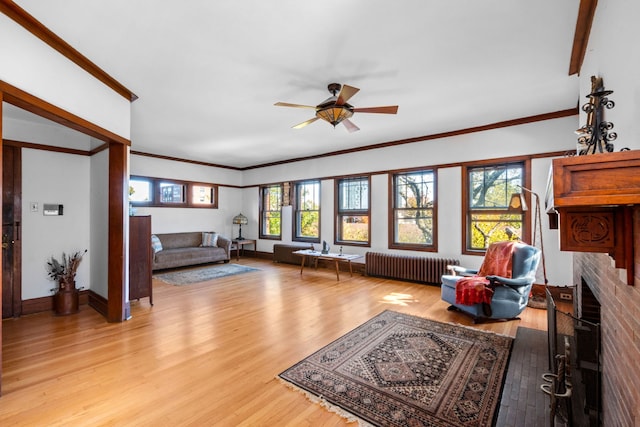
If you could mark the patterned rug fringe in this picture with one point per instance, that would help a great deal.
(348, 416)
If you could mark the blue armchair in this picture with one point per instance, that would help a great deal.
(510, 295)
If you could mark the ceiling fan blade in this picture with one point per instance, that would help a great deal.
(350, 126)
(286, 104)
(389, 109)
(345, 93)
(303, 124)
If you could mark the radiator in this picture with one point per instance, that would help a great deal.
(414, 269)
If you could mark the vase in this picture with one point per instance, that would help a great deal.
(66, 302)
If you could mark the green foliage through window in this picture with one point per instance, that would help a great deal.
(271, 211)
(489, 190)
(307, 214)
(413, 208)
(353, 210)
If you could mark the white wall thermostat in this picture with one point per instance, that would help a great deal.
(51, 209)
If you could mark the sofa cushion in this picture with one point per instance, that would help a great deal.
(187, 256)
(156, 244)
(181, 240)
(209, 239)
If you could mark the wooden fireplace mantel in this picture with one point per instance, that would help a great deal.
(594, 196)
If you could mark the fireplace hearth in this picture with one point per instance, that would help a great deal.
(578, 339)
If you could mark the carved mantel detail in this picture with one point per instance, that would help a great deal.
(591, 229)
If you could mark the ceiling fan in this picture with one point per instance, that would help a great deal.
(336, 110)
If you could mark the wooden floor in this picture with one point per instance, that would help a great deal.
(204, 354)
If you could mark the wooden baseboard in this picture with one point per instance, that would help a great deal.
(98, 303)
(38, 305)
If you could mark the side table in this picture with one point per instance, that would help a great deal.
(238, 246)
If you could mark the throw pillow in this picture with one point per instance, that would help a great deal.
(209, 239)
(156, 244)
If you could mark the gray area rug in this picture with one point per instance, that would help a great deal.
(188, 277)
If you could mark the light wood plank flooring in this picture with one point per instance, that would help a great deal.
(204, 354)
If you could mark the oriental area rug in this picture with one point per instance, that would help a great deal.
(402, 370)
(188, 277)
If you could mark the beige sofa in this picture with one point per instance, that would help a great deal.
(183, 249)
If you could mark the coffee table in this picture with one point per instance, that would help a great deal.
(336, 258)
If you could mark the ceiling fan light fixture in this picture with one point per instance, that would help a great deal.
(334, 114)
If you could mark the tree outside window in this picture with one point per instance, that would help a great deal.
(413, 210)
(307, 211)
(489, 190)
(352, 214)
(271, 211)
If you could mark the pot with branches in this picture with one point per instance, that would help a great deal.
(66, 295)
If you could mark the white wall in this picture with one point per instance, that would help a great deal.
(540, 137)
(612, 54)
(59, 179)
(31, 65)
(99, 208)
(170, 220)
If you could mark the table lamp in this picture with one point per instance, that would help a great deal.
(240, 220)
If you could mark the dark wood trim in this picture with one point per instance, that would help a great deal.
(261, 224)
(155, 182)
(509, 159)
(38, 305)
(35, 27)
(525, 120)
(31, 145)
(118, 177)
(337, 216)
(391, 212)
(294, 208)
(1, 261)
(586, 12)
(98, 303)
(42, 108)
(97, 150)
(464, 191)
(16, 182)
(516, 122)
(193, 162)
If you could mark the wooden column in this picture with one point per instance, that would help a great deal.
(116, 304)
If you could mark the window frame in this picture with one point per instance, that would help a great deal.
(340, 213)
(295, 236)
(467, 211)
(262, 221)
(433, 247)
(187, 189)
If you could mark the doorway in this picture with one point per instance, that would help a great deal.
(11, 231)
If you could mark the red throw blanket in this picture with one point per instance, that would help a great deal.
(497, 262)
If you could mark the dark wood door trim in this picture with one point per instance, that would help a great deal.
(12, 226)
(586, 12)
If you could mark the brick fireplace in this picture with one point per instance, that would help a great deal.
(620, 329)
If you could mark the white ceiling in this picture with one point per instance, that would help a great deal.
(207, 73)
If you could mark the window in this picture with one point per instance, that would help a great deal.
(202, 195)
(271, 211)
(160, 192)
(140, 190)
(352, 213)
(413, 210)
(172, 193)
(306, 224)
(489, 189)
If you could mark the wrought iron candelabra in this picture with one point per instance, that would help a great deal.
(595, 136)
